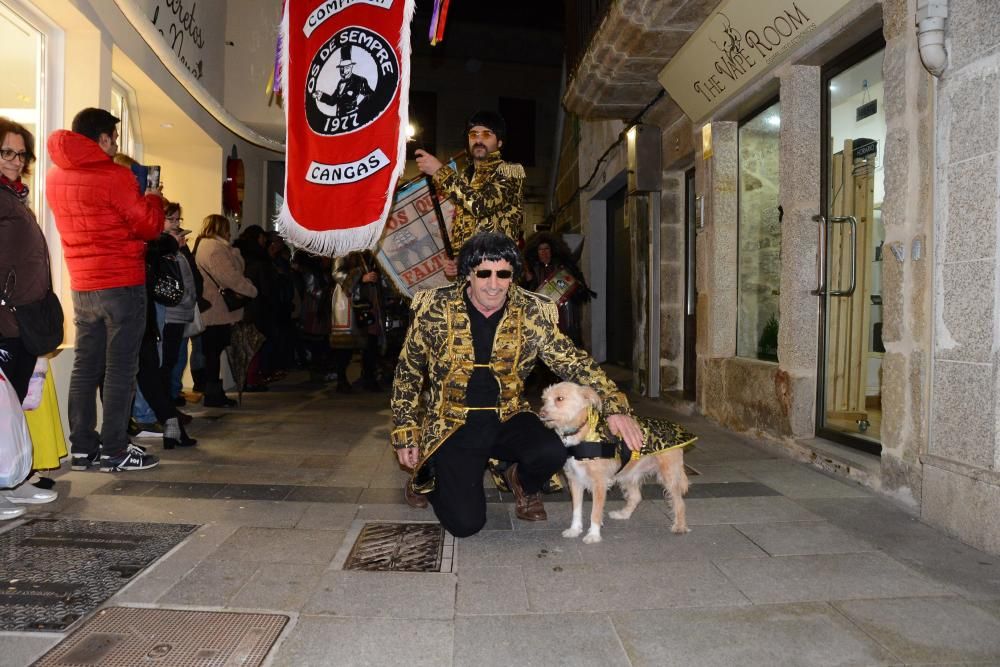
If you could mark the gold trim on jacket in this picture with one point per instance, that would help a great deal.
(490, 202)
(439, 343)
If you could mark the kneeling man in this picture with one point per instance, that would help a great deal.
(476, 341)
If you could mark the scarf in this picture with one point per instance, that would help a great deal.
(19, 189)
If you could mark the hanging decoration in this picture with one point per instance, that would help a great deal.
(275, 79)
(438, 19)
(345, 70)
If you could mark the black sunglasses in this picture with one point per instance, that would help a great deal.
(502, 274)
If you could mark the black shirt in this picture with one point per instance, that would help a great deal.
(482, 390)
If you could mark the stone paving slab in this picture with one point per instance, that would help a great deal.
(705, 511)
(923, 630)
(319, 640)
(22, 648)
(402, 595)
(826, 577)
(278, 587)
(659, 545)
(327, 516)
(802, 538)
(614, 587)
(493, 548)
(279, 545)
(968, 571)
(808, 634)
(491, 590)
(209, 584)
(580, 640)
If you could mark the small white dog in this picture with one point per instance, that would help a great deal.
(596, 461)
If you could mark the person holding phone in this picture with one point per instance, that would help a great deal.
(104, 222)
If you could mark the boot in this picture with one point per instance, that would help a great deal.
(215, 397)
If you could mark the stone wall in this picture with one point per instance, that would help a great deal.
(961, 486)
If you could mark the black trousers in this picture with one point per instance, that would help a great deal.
(173, 335)
(458, 499)
(214, 340)
(148, 379)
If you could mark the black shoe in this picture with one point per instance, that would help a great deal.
(170, 443)
(180, 402)
(44, 482)
(85, 461)
(128, 460)
(219, 402)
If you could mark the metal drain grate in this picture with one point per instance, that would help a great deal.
(55, 571)
(400, 547)
(129, 636)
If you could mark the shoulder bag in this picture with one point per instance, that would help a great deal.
(234, 300)
(168, 284)
(41, 322)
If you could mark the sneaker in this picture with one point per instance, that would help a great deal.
(9, 510)
(27, 494)
(84, 461)
(131, 459)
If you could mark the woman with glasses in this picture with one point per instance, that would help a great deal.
(24, 278)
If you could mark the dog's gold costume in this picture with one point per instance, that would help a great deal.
(440, 342)
(490, 202)
(658, 435)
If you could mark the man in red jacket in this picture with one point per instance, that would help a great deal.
(104, 221)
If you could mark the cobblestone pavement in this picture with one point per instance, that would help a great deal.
(784, 564)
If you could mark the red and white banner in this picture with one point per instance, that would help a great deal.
(346, 74)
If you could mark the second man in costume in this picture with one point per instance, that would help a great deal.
(488, 197)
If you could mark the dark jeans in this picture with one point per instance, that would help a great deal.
(173, 338)
(458, 498)
(214, 340)
(109, 328)
(17, 365)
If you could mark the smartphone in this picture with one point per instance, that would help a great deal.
(153, 177)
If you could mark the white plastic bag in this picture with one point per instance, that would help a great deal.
(15, 442)
(36, 385)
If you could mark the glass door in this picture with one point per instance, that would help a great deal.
(853, 237)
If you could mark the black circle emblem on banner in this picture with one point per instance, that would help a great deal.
(352, 80)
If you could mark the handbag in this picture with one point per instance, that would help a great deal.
(233, 299)
(168, 285)
(15, 441)
(41, 322)
(195, 326)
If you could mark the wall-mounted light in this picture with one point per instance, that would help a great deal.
(706, 141)
(411, 131)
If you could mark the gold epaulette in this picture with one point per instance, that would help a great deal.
(550, 311)
(423, 298)
(511, 170)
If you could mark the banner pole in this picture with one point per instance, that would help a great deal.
(445, 240)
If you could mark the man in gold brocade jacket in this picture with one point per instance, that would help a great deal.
(488, 197)
(476, 341)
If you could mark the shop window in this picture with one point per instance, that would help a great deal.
(759, 275)
(21, 91)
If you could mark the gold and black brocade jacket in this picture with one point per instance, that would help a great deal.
(439, 342)
(490, 202)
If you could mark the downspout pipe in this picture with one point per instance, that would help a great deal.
(930, 17)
